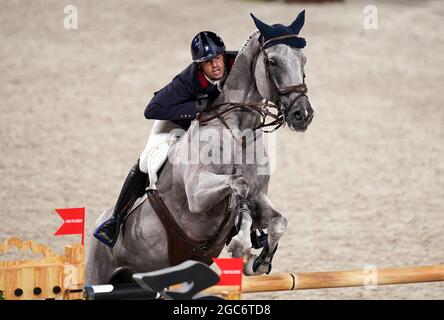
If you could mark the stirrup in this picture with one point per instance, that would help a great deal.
(98, 233)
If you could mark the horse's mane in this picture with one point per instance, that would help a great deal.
(252, 35)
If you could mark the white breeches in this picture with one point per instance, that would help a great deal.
(163, 135)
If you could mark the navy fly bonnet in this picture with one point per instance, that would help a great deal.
(276, 30)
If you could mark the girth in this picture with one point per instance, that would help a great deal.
(180, 246)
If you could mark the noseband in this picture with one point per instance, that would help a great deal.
(264, 108)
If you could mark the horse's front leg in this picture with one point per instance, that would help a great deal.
(207, 188)
(268, 217)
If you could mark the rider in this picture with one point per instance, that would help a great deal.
(174, 106)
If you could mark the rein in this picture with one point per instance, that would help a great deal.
(263, 108)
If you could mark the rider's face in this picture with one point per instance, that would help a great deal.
(214, 68)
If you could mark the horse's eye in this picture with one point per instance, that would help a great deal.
(271, 62)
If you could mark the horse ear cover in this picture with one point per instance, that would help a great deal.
(268, 32)
(264, 28)
(298, 23)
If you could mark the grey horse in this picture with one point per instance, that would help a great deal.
(210, 197)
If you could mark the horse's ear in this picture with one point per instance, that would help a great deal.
(264, 28)
(297, 24)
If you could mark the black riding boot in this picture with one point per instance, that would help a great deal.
(133, 188)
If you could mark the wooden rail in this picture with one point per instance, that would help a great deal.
(333, 279)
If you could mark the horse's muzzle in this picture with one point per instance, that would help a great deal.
(300, 115)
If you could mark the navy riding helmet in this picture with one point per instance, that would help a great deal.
(206, 45)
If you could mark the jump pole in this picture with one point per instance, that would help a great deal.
(335, 279)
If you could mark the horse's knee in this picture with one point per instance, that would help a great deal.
(239, 185)
(197, 203)
(194, 207)
(277, 226)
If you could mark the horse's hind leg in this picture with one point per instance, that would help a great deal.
(267, 217)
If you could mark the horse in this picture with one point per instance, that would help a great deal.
(201, 206)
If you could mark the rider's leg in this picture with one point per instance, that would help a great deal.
(163, 136)
(133, 188)
(151, 158)
(156, 157)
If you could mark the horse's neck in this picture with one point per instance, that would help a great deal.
(240, 87)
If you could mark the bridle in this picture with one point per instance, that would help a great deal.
(299, 88)
(265, 107)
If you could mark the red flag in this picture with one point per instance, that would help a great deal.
(231, 271)
(73, 221)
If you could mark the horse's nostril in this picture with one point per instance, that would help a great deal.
(299, 116)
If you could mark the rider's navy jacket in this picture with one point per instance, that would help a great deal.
(177, 100)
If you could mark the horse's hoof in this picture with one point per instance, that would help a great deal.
(249, 267)
(263, 269)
